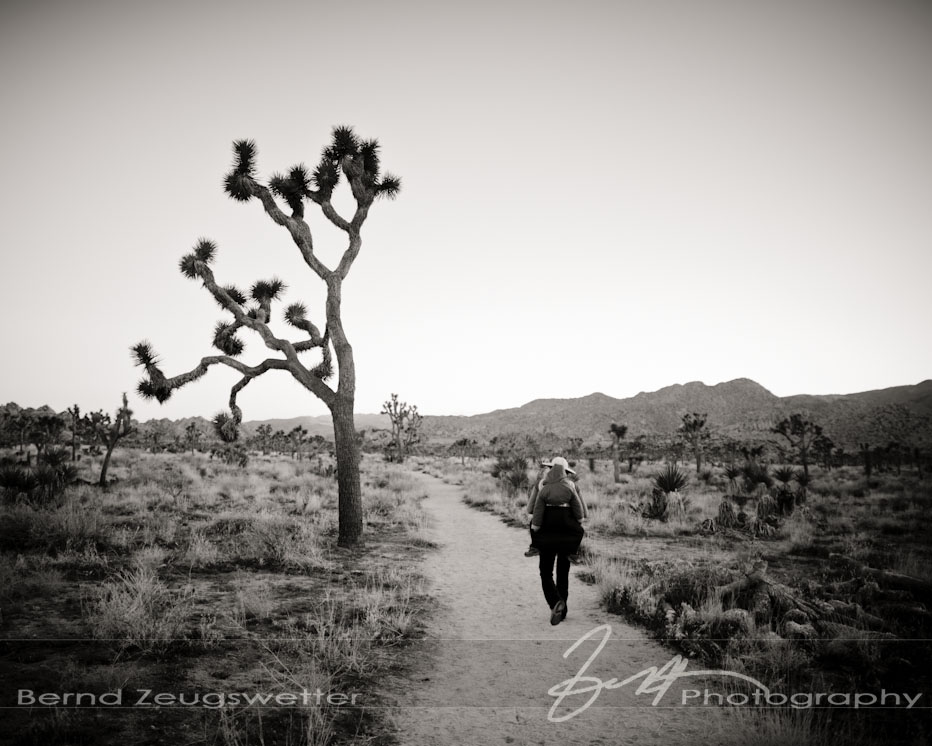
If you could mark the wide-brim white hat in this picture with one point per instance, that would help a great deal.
(561, 461)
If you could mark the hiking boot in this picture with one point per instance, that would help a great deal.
(558, 613)
(532, 552)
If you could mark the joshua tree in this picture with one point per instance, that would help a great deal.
(192, 436)
(75, 413)
(865, 449)
(618, 433)
(296, 438)
(45, 431)
(635, 452)
(465, 445)
(693, 431)
(358, 161)
(803, 436)
(111, 431)
(406, 425)
(263, 438)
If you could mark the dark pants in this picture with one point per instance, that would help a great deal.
(560, 590)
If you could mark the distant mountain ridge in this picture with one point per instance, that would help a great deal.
(739, 408)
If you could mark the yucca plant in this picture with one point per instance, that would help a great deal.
(17, 480)
(803, 480)
(732, 474)
(670, 479)
(785, 497)
(666, 501)
(784, 475)
(756, 477)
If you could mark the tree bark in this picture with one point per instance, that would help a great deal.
(616, 459)
(106, 464)
(350, 490)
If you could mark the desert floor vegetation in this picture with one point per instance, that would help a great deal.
(190, 577)
(831, 596)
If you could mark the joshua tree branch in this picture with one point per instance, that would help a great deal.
(298, 228)
(333, 216)
(349, 256)
(258, 326)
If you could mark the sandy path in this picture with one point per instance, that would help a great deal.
(483, 673)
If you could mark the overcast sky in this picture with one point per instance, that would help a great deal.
(596, 196)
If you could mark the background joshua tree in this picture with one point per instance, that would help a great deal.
(406, 425)
(45, 430)
(263, 438)
(192, 436)
(297, 437)
(694, 432)
(465, 445)
(76, 422)
(635, 453)
(803, 436)
(111, 431)
(358, 161)
(618, 433)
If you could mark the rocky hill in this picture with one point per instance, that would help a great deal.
(738, 408)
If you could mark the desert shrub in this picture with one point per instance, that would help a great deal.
(41, 484)
(755, 477)
(732, 474)
(200, 551)
(74, 527)
(20, 530)
(232, 455)
(138, 611)
(511, 473)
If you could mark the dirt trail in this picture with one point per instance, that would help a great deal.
(483, 673)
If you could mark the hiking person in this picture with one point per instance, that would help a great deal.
(557, 534)
(545, 466)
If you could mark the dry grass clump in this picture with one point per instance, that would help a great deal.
(19, 580)
(251, 600)
(138, 611)
(392, 496)
(199, 552)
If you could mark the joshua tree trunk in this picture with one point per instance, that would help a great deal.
(348, 482)
(616, 458)
(111, 434)
(617, 432)
(106, 465)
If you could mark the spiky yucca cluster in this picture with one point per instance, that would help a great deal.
(226, 426)
(156, 385)
(225, 339)
(359, 159)
(670, 479)
(239, 181)
(202, 255)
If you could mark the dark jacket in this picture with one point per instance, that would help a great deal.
(557, 512)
